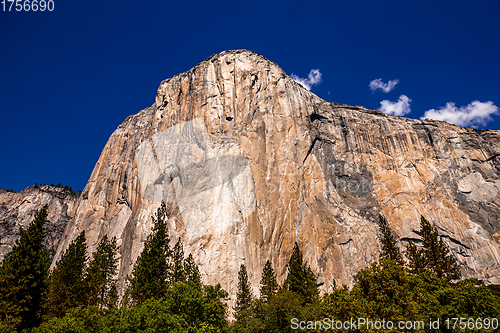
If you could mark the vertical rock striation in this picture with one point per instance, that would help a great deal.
(249, 162)
(17, 210)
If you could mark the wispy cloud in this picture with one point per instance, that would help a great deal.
(474, 114)
(385, 87)
(313, 79)
(399, 108)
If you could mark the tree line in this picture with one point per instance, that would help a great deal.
(164, 292)
(423, 283)
(59, 185)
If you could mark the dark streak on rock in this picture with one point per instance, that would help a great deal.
(314, 117)
(310, 149)
(345, 243)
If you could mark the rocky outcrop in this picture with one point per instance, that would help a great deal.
(249, 162)
(17, 210)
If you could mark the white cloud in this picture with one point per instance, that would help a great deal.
(313, 79)
(385, 87)
(399, 108)
(476, 113)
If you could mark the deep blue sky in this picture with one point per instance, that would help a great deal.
(69, 77)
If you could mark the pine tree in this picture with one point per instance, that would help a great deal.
(416, 258)
(191, 269)
(101, 270)
(66, 284)
(112, 296)
(178, 270)
(437, 254)
(244, 295)
(434, 254)
(23, 275)
(268, 284)
(301, 279)
(390, 249)
(151, 273)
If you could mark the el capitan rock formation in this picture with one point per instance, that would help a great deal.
(249, 162)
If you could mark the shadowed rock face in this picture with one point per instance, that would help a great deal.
(17, 210)
(249, 162)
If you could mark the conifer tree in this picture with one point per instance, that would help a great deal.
(66, 284)
(178, 270)
(437, 254)
(191, 269)
(151, 273)
(390, 249)
(244, 295)
(101, 270)
(300, 278)
(23, 275)
(111, 301)
(268, 284)
(434, 254)
(416, 259)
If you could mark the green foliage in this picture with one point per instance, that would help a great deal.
(23, 276)
(195, 308)
(434, 255)
(74, 284)
(152, 272)
(66, 284)
(301, 279)
(167, 295)
(100, 272)
(152, 315)
(191, 269)
(178, 270)
(275, 315)
(244, 295)
(186, 307)
(268, 284)
(299, 298)
(9, 324)
(388, 291)
(468, 298)
(198, 305)
(111, 301)
(416, 259)
(284, 306)
(342, 304)
(495, 291)
(390, 249)
(78, 320)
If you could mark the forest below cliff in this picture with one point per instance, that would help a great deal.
(419, 289)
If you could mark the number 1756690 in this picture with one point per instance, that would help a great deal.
(27, 5)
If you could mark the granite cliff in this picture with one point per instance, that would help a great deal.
(248, 162)
(17, 210)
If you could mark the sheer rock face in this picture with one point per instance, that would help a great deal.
(249, 162)
(17, 210)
